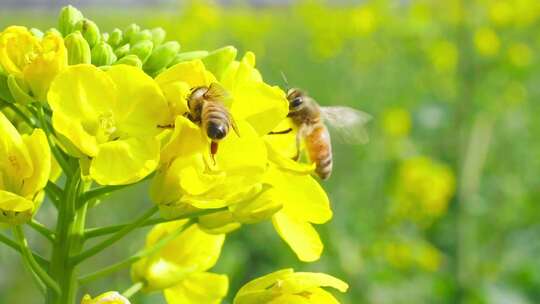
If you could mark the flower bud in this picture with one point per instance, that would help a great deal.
(122, 51)
(142, 49)
(162, 56)
(103, 54)
(116, 37)
(36, 32)
(69, 16)
(89, 30)
(132, 60)
(19, 90)
(186, 56)
(129, 31)
(158, 35)
(140, 36)
(78, 49)
(111, 297)
(218, 60)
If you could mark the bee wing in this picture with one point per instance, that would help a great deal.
(217, 92)
(348, 123)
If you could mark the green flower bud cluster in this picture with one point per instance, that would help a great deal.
(143, 48)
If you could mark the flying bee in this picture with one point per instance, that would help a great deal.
(311, 120)
(207, 108)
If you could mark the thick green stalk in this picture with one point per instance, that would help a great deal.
(61, 269)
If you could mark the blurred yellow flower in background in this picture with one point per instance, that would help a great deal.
(520, 54)
(287, 287)
(444, 56)
(33, 60)
(501, 12)
(423, 189)
(487, 42)
(364, 20)
(396, 122)
(411, 253)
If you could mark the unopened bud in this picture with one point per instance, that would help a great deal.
(69, 16)
(122, 51)
(78, 49)
(103, 54)
(186, 56)
(89, 30)
(142, 49)
(140, 36)
(162, 56)
(132, 60)
(105, 37)
(116, 37)
(217, 61)
(158, 36)
(129, 31)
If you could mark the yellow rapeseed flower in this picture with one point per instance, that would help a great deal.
(111, 297)
(487, 42)
(397, 122)
(187, 177)
(25, 168)
(520, 54)
(179, 268)
(286, 286)
(111, 118)
(36, 61)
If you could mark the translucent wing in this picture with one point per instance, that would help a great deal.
(216, 92)
(348, 123)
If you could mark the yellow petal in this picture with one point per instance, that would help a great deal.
(287, 163)
(300, 236)
(191, 72)
(81, 98)
(301, 281)
(15, 161)
(291, 299)
(124, 162)
(176, 94)
(50, 61)
(16, 46)
(186, 140)
(14, 209)
(40, 154)
(199, 288)
(140, 107)
(302, 197)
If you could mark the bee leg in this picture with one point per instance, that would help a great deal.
(169, 126)
(289, 130)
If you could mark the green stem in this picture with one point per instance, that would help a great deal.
(131, 291)
(135, 257)
(114, 238)
(41, 229)
(34, 266)
(54, 193)
(12, 244)
(61, 269)
(101, 231)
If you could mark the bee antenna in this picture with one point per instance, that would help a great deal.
(284, 79)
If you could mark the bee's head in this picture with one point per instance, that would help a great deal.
(296, 100)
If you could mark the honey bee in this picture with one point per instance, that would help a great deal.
(207, 108)
(311, 120)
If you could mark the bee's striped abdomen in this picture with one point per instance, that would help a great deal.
(215, 120)
(320, 150)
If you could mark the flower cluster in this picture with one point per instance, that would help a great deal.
(112, 109)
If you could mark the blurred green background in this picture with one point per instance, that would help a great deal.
(440, 207)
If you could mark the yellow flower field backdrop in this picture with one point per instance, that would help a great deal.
(441, 206)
